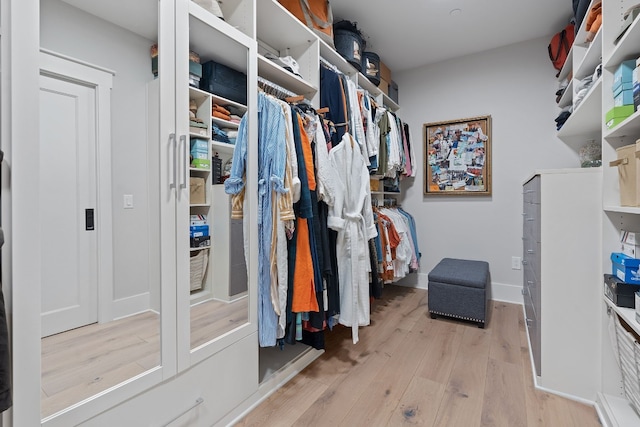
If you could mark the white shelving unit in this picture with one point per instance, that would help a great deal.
(561, 216)
(613, 408)
(230, 373)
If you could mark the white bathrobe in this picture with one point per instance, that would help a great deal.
(352, 217)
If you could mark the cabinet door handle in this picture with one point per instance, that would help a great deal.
(183, 161)
(619, 162)
(172, 162)
(525, 262)
(530, 251)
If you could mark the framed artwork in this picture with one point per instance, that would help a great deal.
(457, 157)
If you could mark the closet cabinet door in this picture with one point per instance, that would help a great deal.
(212, 317)
(104, 47)
(562, 278)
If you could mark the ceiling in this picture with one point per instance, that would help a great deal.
(410, 33)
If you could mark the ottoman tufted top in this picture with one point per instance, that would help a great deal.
(461, 272)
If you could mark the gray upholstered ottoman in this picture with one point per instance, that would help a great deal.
(459, 288)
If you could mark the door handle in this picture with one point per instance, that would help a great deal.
(183, 161)
(172, 153)
(89, 223)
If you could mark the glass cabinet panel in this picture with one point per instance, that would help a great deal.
(101, 148)
(212, 81)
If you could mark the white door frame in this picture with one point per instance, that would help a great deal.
(101, 79)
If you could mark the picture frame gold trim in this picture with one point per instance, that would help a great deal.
(457, 157)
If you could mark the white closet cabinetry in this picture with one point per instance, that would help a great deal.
(561, 275)
(584, 124)
(216, 382)
(613, 406)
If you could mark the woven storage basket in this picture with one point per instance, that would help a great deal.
(199, 262)
(629, 360)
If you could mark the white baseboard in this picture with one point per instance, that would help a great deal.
(506, 293)
(128, 306)
(499, 291)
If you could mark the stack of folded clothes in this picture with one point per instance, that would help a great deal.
(220, 112)
(219, 135)
(562, 117)
(236, 113)
(232, 134)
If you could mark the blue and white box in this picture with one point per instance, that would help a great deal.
(624, 73)
(199, 231)
(625, 268)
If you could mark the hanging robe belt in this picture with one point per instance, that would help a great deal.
(355, 245)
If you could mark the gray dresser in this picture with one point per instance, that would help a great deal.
(562, 278)
(531, 234)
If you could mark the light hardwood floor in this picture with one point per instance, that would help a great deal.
(408, 369)
(81, 362)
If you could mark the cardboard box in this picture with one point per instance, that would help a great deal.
(201, 242)
(617, 114)
(195, 69)
(198, 219)
(627, 174)
(624, 72)
(629, 249)
(630, 243)
(199, 230)
(620, 293)
(624, 97)
(631, 237)
(384, 86)
(197, 193)
(625, 268)
(374, 184)
(385, 72)
(621, 87)
(201, 163)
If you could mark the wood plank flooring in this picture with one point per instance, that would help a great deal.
(408, 369)
(82, 362)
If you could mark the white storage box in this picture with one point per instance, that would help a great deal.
(627, 164)
(629, 361)
(630, 243)
(198, 266)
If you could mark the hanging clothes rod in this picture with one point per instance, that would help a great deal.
(274, 89)
(330, 65)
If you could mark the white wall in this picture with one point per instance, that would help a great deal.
(67, 30)
(516, 85)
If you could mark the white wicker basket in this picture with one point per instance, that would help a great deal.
(629, 361)
(198, 263)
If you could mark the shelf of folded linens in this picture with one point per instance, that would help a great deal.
(585, 122)
(567, 96)
(222, 147)
(282, 77)
(627, 46)
(591, 57)
(567, 68)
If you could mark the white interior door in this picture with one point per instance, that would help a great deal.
(68, 202)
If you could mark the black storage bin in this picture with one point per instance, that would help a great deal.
(349, 43)
(224, 81)
(393, 91)
(371, 67)
(620, 293)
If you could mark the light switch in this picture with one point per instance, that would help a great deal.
(128, 201)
